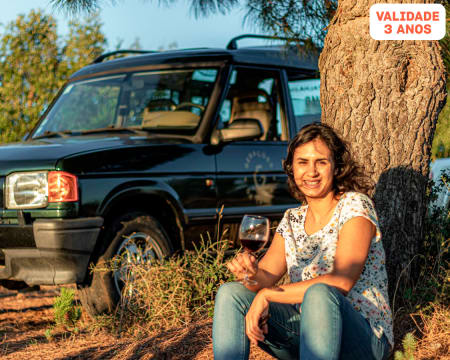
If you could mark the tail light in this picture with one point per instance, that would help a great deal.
(62, 187)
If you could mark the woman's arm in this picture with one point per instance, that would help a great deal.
(268, 271)
(351, 254)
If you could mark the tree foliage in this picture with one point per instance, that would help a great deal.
(441, 141)
(298, 19)
(198, 7)
(77, 5)
(303, 20)
(35, 62)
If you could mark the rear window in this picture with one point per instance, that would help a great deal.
(305, 98)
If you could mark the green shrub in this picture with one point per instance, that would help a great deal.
(441, 140)
(175, 291)
(430, 289)
(431, 286)
(67, 313)
(409, 347)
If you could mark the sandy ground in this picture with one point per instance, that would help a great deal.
(24, 317)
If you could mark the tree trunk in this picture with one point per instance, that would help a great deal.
(384, 97)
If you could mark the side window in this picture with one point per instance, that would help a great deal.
(254, 93)
(225, 111)
(305, 98)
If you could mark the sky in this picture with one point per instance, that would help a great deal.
(155, 26)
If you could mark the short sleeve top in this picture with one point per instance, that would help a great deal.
(308, 256)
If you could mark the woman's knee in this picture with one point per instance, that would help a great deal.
(234, 293)
(230, 290)
(320, 293)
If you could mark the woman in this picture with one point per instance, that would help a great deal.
(336, 305)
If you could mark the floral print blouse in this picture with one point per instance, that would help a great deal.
(308, 256)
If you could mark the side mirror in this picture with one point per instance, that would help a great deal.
(242, 129)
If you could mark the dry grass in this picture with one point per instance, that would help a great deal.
(435, 334)
(24, 318)
(191, 342)
(421, 303)
(172, 293)
(177, 343)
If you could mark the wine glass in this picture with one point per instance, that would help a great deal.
(253, 234)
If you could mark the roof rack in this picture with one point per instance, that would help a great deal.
(232, 45)
(112, 53)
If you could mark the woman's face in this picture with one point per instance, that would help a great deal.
(313, 169)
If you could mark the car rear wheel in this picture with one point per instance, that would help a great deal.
(135, 238)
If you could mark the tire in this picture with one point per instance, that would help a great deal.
(13, 284)
(134, 237)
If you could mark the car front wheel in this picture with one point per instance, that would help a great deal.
(134, 238)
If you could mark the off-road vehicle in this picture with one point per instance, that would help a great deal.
(149, 147)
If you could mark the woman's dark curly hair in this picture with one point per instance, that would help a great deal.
(348, 175)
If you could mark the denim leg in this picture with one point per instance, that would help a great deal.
(332, 329)
(283, 336)
(229, 339)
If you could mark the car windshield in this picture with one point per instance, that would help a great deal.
(169, 101)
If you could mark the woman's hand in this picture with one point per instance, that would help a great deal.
(243, 263)
(256, 319)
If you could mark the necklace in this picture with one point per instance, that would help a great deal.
(312, 226)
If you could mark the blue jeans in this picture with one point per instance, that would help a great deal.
(328, 327)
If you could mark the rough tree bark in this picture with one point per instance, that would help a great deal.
(384, 98)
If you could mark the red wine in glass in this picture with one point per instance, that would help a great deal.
(251, 245)
(253, 234)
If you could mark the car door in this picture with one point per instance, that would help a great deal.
(250, 178)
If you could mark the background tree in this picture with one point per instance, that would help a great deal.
(382, 96)
(35, 62)
(84, 43)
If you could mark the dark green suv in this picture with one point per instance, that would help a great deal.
(147, 148)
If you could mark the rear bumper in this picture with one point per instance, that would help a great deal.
(61, 256)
